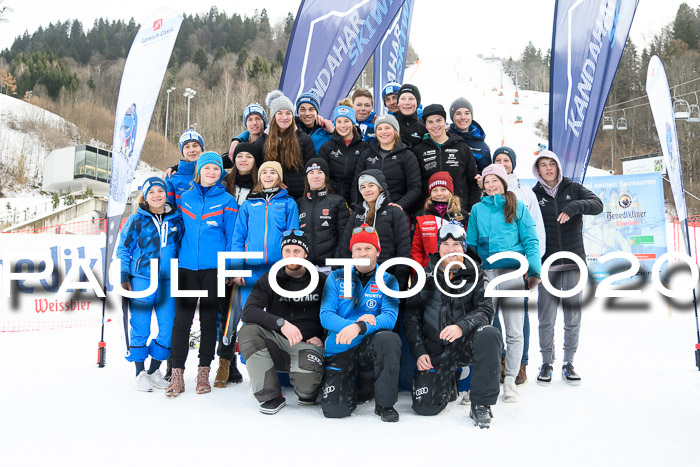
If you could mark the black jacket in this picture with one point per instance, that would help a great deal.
(342, 161)
(430, 311)
(575, 200)
(412, 128)
(322, 217)
(264, 306)
(455, 157)
(293, 177)
(392, 227)
(400, 169)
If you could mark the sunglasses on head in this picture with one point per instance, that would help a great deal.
(357, 230)
(296, 232)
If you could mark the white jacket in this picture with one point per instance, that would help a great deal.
(526, 195)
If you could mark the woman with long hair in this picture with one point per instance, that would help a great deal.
(240, 180)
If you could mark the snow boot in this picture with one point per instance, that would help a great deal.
(545, 376)
(388, 414)
(569, 375)
(177, 383)
(510, 392)
(273, 406)
(522, 375)
(203, 385)
(234, 376)
(222, 373)
(141, 382)
(157, 380)
(466, 398)
(482, 415)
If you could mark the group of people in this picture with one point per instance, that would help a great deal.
(372, 188)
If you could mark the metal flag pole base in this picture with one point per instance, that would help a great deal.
(102, 354)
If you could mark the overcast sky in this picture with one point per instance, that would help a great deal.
(502, 25)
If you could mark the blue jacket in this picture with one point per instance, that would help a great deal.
(367, 128)
(209, 222)
(144, 238)
(260, 225)
(243, 137)
(319, 136)
(338, 312)
(489, 233)
(180, 181)
(475, 137)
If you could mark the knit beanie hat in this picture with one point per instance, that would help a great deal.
(409, 88)
(295, 237)
(433, 109)
(387, 118)
(497, 170)
(188, 136)
(210, 157)
(508, 152)
(251, 109)
(276, 101)
(308, 98)
(150, 183)
(443, 179)
(365, 178)
(460, 103)
(390, 88)
(251, 148)
(318, 163)
(270, 165)
(344, 111)
(365, 234)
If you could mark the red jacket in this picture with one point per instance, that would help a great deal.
(425, 235)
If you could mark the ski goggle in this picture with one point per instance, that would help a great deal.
(454, 231)
(357, 230)
(295, 232)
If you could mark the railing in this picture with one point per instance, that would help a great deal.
(31, 212)
(88, 227)
(693, 235)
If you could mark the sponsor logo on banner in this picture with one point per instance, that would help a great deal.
(157, 24)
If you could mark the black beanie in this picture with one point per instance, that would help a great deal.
(295, 237)
(318, 163)
(434, 109)
(412, 90)
(251, 148)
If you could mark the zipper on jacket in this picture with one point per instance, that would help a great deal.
(313, 227)
(556, 210)
(267, 205)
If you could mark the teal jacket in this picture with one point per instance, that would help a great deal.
(489, 234)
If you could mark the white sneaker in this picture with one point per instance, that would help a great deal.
(510, 390)
(157, 380)
(465, 399)
(142, 383)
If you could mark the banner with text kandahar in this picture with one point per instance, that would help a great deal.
(390, 55)
(331, 43)
(587, 43)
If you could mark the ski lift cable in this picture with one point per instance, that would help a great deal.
(684, 190)
(669, 88)
(609, 110)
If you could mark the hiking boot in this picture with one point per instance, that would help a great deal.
(522, 375)
(388, 414)
(481, 414)
(234, 376)
(273, 406)
(157, 380)
(141, 382)
(503, 369)
(545, 376)
(569, 375)
(203, 385)
(177, 383)
(222, 373)
(510, 392)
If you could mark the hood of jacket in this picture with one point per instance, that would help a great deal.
(552, 191)
(475, 131)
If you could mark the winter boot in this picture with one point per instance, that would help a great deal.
(141, 383)
(481, 414)
(203, 385)
(503, 369)
(510, 392)
(545, 376)
(522, 375)
(273, 406)
(569, 375)
(222, 374)
(157, 380)
(177, 383)
(466, 398)
(234, 376)
(388, 414)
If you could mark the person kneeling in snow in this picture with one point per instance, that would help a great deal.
(360, 321)
(284, 334)
(445, 332)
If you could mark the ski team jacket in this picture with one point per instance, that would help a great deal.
(180, 181)
(367, 128)
(143, 238)
(342, 161)
(428, 223)
(400, 169)
(338, 311)
(264, 306)
(454, 157)
(489, 233)
(411, 128)
(319, 135)
(260, 225)
(430, 311)
(322, 217)
(209, 221)
(294, 178)
(575, 200)
(474, 137)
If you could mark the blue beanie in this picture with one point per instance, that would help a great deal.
(390, 88)
(254, 108)
(507, 151)
(150, 183)
(344, 111)
(190, 135)
(209, 158)
(308, 98)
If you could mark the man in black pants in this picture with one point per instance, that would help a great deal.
(282, 333)
(446, 333)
